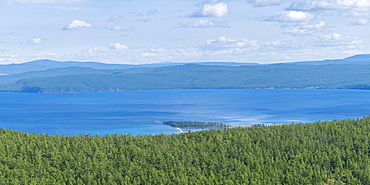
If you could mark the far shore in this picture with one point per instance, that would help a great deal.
(232, 125)
(250, 124)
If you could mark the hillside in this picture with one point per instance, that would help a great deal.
(353, 72)
(335, 152)
(40, 65)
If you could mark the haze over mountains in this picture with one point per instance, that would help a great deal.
(46, 76)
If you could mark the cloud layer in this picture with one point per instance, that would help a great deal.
(217, 10)
(205, 23)
(291, 16)
(126, 31)
(77, 24)
(308, 5)
(34, 40)
(118, 46)
(43, 1)
(266, 2)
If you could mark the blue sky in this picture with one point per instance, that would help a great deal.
(143, 31)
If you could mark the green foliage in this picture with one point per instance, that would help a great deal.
(196, 124)
(335, 152)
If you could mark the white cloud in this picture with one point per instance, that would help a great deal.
(266, 2)
(337, 39)
(282, 45)
(217, 10)
(220, 39)
(120, 28)
(205, 23)
(291, 16)
(330, 5)
(307, 5)
(43, 1)
(333, 36)
(113, 18)
(158, 50)
(361, 22)
(303, 28)
(117, 46)
(359, 13)
(296, 31)
(9, 56)
(77, 24)
(43, 54)
(116, 28)
(247, 43)
(315, 26)
(34, 40)
(93, 50)
(147, 54)
(223, 42)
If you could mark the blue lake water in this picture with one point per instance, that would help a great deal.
(139, 112)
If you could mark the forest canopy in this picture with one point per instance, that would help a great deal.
(331, 152)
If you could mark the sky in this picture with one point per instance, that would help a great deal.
(143, 31)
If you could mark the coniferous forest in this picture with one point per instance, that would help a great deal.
(334, 152)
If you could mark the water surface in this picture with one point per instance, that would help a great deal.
(139, 112)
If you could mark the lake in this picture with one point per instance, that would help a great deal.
(140, 112)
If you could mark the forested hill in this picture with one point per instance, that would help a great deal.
(353, 72)
(335, 152)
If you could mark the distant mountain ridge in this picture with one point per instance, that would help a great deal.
(46, 76)
(39, 65)
(45, 64)
(356, 59)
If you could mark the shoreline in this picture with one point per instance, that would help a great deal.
(232, 125)
(179, 129)
(252, 124)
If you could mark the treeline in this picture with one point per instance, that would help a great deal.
(196, 124)
(335, 152)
